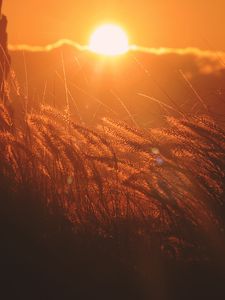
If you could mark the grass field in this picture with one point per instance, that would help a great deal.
(111, 212)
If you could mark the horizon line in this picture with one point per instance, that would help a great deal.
(135, 48)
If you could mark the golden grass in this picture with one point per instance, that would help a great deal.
(162, 185)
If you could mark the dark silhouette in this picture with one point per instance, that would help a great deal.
(4, 56)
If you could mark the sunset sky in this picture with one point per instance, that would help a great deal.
(161, 23)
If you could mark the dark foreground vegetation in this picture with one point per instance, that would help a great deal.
(111, 213)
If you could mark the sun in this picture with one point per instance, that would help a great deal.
(109, 40)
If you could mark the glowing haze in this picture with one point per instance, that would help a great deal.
(169, 24)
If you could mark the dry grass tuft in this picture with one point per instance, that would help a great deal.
(164, 186)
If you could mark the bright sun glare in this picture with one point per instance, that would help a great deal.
(109, 40)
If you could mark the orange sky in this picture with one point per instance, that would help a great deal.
(161, 23)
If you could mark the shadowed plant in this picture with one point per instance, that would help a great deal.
(93, 203)
(165, 186)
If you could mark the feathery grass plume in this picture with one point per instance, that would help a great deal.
(160, 185)
(189, 159)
